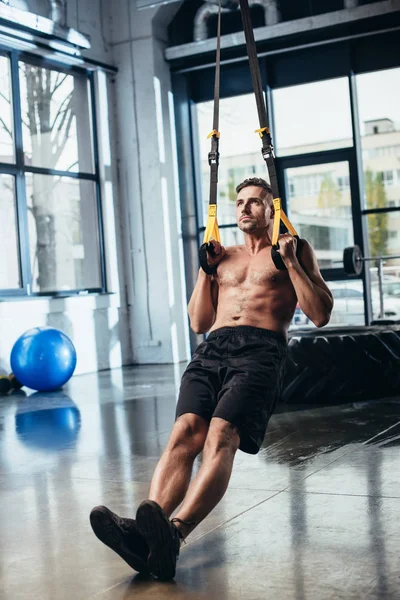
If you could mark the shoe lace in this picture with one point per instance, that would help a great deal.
(189, 523)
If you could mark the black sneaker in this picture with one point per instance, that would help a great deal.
(162, 537)
(122, 536)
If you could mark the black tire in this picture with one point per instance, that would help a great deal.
(331, 365)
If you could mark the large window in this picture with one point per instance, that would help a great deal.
(339, 179)
(348, 309)
(62, 217)
(319, 205)
(49, 203)
(240, 150)
(7, 154)
(348, 298)
(9, 265)
(56, 119)
(379, 120)
(312, 117)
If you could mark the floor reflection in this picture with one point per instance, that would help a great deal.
(48, 421)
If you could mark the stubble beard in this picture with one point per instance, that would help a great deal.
(248, 226)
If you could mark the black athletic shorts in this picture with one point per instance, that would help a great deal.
(236, 374)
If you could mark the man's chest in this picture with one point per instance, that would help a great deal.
(250, 271)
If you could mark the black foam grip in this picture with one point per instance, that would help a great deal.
(204, 248)
(277, 258)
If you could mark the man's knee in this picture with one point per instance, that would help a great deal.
(189, 434)
(222, 436)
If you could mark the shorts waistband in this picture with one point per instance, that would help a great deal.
(248, 330)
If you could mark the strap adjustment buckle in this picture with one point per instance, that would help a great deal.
(267, 152)
(213, 158)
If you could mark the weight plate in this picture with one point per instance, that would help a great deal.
(352, 260)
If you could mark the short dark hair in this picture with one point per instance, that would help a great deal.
(257, 181)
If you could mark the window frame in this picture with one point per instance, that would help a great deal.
(18, 169)
(318, 158)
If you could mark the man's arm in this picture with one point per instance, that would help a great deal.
(203, 303)
(314, 296)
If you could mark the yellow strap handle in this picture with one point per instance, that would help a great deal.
(212, 231)
(214, 132)
(261, 131)
(278, 217)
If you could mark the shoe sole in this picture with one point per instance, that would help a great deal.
(156, 530)
(107, 531)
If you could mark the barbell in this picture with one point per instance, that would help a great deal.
(353, 260)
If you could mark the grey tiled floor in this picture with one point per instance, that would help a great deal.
(314, 516)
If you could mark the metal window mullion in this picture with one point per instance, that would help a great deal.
(57, 173)
(8, 169)
(17, 113)
(20, 188)
(68, 293)
(97, 180)
(329, 156)
(47, 62)
(309, 159)
(11, 293)
(374, 211)
(357, 194)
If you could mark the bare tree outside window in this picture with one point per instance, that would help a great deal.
(54, 106)
(62, 211)
(9, 265)
(6, 124)
(56, 135)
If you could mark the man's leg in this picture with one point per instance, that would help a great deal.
(204, 493)
(172, 475)
(211, 482)
(168, 487)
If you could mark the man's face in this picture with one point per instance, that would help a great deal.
(253, 209)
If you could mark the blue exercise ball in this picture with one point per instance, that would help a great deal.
(43, 359)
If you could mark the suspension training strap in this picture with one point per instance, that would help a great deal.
(267, 150)
(212, 231)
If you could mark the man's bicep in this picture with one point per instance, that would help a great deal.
(309, 263)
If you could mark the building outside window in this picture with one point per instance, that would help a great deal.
(343, 183)
(387, 177)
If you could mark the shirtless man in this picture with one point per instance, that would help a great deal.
(230, 388)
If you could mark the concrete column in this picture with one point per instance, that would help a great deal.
(149, 193)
